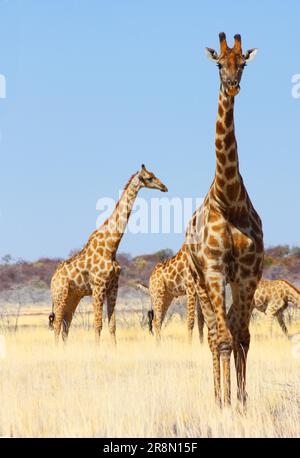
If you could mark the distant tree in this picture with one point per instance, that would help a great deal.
(279, 251)
(295, 251)
(6, 259)
(140, 263)
(124, 258)
(162, 255)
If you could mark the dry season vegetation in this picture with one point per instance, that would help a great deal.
(139, 389)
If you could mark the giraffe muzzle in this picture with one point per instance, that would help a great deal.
(233, 91)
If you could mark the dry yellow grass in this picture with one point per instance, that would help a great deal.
(139, 389)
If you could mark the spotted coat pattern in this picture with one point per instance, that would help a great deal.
(272, 297)
(169, 280)
(225, 238)
(94, 271)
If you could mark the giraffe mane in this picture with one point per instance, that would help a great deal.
(122, 195)
(291, 286)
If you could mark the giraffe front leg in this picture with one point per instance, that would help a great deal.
(72, 303)
(270, 315)
(191, 305)
(57, 324)
(216, 291)
(111, 313)
(98, 294)
(200, 320)
(281, 322)
(211, 323)
(239, 320)
(59, 298)
(213, 345)
(161, 304)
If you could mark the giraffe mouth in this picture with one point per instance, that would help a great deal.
(233, 91)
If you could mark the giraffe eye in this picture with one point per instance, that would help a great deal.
(150, 179)
(219, 66)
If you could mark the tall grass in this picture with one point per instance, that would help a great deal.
(140, 389)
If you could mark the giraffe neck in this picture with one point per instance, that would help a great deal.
(114, 227)
(228, 183)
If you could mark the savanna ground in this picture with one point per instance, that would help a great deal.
(140, 389)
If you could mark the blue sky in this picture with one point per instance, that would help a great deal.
(95, 88)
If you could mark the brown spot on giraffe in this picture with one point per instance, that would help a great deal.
(229, 139)
(220, 129)
(219, 144)
(221, 111)
(213, 242)
(229, 118)
(222, 160)
(232, 191)
(230, 172)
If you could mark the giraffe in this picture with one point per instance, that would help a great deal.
(94, 271)
(169, 280)
(272, 298)
(225, 237)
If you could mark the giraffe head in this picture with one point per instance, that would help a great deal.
(231, 63)
(149, 180)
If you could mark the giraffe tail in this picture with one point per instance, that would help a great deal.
(51, 320)
(150, 314)
(150, 320)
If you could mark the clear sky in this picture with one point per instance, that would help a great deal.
(95, 88)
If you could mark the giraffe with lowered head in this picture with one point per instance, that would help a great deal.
(225, 237)
(272, 297)
(94, 271)
(171, 279)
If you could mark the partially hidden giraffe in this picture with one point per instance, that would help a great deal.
(272, 297)
(225, 237)
(94, 271)
(168, 280)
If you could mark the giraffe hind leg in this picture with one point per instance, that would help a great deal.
(160, 307)
(281, 322)
(191, 305)
(73, 301)
(98, 293)
(200, 320)
(111, 304)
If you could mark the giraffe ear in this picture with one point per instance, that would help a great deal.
(250, 54)
(211, 54)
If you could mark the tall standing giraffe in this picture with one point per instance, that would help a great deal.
(94, 271)
(225, 236)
